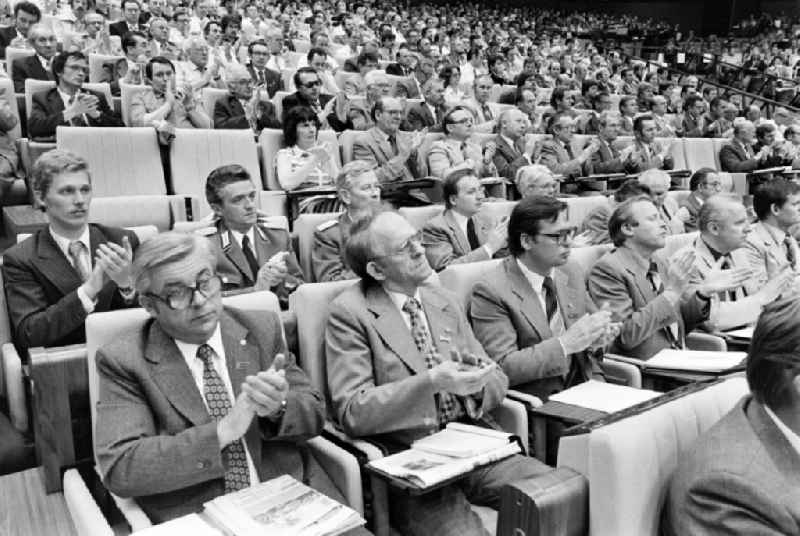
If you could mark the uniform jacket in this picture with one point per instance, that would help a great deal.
(327, 253)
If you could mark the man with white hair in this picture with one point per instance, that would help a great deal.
(738, 156)
(536, 179)
(197, 71)
(242, 107)
(377, 85)
(658, 109)
(39, 66)
(514, 150)
(659, 182)
(560, 155)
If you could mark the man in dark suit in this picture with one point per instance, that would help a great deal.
(429, 113)
(202, 400)
(405, 59)
(250, 251)
(243, 108)
(131, 9)
(60, 274)
(655, 303)
(742, 476)
(391, 344)
(704, 183)
(262, 75)
(514, 150)
(68, 103)
(462, 233)
(38, 66)
(26, 14)
(692, 124)
(331, 111)
(739, 156)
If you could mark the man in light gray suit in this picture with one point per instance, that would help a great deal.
(561, 155)
(532, 313)
(742, 476)
(203, 400)
(391, 346)
(462, 233)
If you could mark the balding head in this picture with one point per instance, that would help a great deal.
(723, 222)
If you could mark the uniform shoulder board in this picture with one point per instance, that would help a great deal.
(206, 231)
(274, 222)
(327, 225)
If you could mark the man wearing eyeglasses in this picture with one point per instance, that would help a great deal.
(332, 112)
(68, 103)
(561, 154)
(458, 150)
(243, 107)
(203, 399)
(38, 66)
(360, 192)
(704, 183)
(261, 74)
(402, 362)
(532, 313)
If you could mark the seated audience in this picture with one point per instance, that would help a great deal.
(135, 48)
(536, 180)
(131, 10)
(740, 475)
(590, 124)
(740, 156)
(329, 110)
(242, 107)
(377, 86)
(532, 313)
(658, 111)
(429, 113)
(462, 233)
(390, 345)
(39, 66)
(219, 402)
(606, 159)
(595, 225)
(68, 103)
(197, 70)
(691, 123)
(262, 75)
(646, 152)
(71, 268)
(9, 155)
(628, 109)
(359, 191)
(766, 140)
(658, 183)
(560, 154)
(704, 183)
(513, 149)
(486, 113)
(458, 150)
(722, 127)
(250, 251)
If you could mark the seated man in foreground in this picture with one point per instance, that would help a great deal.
(202, 400)
(390, 345)
(71, 268)
(742, 476)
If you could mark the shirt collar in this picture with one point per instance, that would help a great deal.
(63, 242)
(399, 299)
(461, 221)
(640, 261)
(532, 277)
(508, 140)
(250, 235)
(189, 350)
(793, 438)
(714, 253)
(776, 234)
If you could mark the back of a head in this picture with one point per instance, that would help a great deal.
(629, 189)
(699, 177)
(773, 192)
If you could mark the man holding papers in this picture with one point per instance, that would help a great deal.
(654, 301)
(742, 476)
(532, 313)
(402, 363)
(724, 228)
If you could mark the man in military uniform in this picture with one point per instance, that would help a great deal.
(252, 251)
(360, 192)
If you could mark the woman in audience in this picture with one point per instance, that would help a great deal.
(451, 75)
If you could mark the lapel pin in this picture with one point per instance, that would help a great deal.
(445, 338)
(242, 365)
(243, 342)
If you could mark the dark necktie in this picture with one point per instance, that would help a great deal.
(787, 242)
(472, 236)
(78, 120)
(262, 77)
(550, 301)
(726, 265)
(237, 475)
(487, 112)
(658, 287)
(393, 143)
(249, 256)
(77, 252)
(449, 408)
(568, 147)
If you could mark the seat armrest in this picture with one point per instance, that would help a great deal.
(624, 359)
(85, 514)
(553, 503)
(512, 416)
(369, 450)
(705, 341)
(131, 511)
(342, 467)
(530, 401)
(15, 387)
(623, 373)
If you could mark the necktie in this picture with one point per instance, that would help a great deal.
(731, 294)
(77, 251)
(550, 301)
(448, 406)
(249, 256)
(261, 77)
(487, 112)
(671, 330)
(393, 143)
(237, 475)
(78, 120)
(568, 147)
(787, 242)
(472, 236)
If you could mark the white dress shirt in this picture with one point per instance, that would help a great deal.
(195, 364)
(557, 327)
(793, 438)
(63, 244)
(462, 222)
(250, 236)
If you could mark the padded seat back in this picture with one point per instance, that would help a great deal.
(104, 89)
(418, 216)
(96, 62)
(629, 462)
(196, 152)
(460, 278)
(700, 153)
(32, 87)
(585, 257)
(157, 210)
(13, 54)
(123, 161)
(126, 93)
(304, 227)
(7, 89)
(579, 207)
(277, 102)
(677, 150)
(498, 210)
(718, 144)
(346, 141)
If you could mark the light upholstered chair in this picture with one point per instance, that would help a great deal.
(126, 93)
(304, 227)
(699, 153)
(418, 216)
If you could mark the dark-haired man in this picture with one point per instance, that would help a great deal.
(645, 152)
(704, 183)
(330, 111)
(263, 76)
(26, 14)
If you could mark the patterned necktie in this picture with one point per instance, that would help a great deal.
(77, 251)
(790, 256)
(551, 304)
(237, 475)
(487, 112)
(448, 406)
(249, 256)
(472, 236)
(78, 120)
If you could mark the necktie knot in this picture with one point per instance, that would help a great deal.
(205, 354)
(76, 248)
(411, 306)
(652, 269)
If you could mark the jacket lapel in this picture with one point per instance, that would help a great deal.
(231, 249)
(55, 266)
(54, 100)
(567, 297)
(639, 279)
(459, 238)
(442, 321)
(783, 456)
(530, 306)
(387, 321)
(382, 144)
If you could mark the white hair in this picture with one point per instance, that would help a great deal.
(654, 177)
(531, 173)
(375, 77)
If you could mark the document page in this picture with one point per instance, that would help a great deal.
(696, 361)
(602, 396)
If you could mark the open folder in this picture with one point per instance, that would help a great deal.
(697, 361)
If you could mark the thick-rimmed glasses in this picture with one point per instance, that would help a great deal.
(180, 297)
(563, 236)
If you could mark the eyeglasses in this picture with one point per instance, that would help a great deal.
(180, 297)
(406, 248)
(309, 85)
(466, 121)
(563, 236)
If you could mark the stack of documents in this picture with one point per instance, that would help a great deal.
(190, 524)
(697, 361)
(602, 396)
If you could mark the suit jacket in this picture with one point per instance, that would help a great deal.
(509, 322)
(483, 122)
(48, 113)
(605, 160)
(732, 158)
(620, 279)
(445, 243)
(272, 79)
(7, 34)
(395, 69)
(596, 224)
(229, 113)
(155, 440)
(327, 253)
(41, 289)
(725, 314)
(446, 155)
(376, 375)
(296, 99)
(668, 212)
(372, 146)
(119, 28)
(689, 127)
(554, 155)
(25, 68)
(692, 203)
(766, 253)
(644, 158)
(591, 125)
(509, 159)
(741, 476)
(419, 116)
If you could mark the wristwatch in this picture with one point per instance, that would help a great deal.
(279, 414)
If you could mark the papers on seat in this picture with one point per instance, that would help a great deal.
(425, 463)
(696, 361)
(602, 396)
(742, 333)
(190, 524)
(281, 507)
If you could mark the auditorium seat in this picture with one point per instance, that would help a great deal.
(277, 102)
(160, 211)
(346, 141)
(32, 87)
(677, 150)
(629, 459)
(579, 207)
(418, 216)
(699, 153)
(126, 93)
(13, 54)
(718, 143)
(210, 96)
(497, 210)
(104, 89)
(123, 161)
(19, 191)
(304, 227)
(96, 62)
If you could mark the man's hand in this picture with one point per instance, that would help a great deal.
(453, 377)
(489, 151)
(320, 154)
(80, 106)
(531, 146)
(764, 153)
(273, 272)
(776, 286)
(116, 262)
(234, 425)
(498, 236)
(268, 389)
(678, 274)
(585, 331)
(719, 280)
(97, 279)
